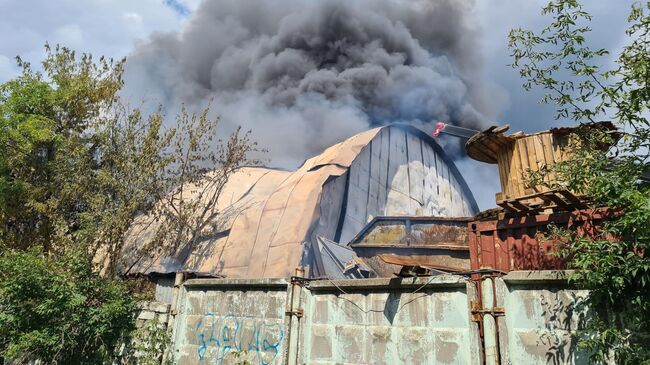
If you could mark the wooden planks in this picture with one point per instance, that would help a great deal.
(530, 153)
(557, 199)
(518, 154)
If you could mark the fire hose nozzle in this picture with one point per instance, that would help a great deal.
(453, 130)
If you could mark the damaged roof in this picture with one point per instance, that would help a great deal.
(270, 218)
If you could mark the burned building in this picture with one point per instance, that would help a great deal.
(272, 219)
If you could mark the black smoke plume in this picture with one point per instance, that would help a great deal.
(303, 75)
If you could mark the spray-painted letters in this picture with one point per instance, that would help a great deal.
(216, 337)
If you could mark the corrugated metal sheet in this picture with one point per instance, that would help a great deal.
(165, 289)
(336, 261)
(273, 214)
(403, 172)
(520, 243)
(268, 217)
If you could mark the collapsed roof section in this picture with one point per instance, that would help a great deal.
(270, 218)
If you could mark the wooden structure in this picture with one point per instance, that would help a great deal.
(519, 154)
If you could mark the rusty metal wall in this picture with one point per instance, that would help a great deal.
(519, 244)
(379, 321)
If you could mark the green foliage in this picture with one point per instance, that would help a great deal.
(41, 120)
(238, 355)
(617, 271)
(76, 168)
(59, 310)
(189, 211)
(151, 345)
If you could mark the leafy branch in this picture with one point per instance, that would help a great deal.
(613, 264)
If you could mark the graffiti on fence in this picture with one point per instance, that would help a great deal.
(230, 333)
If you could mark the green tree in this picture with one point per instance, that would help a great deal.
(617, 272)
(60, 311)
(77, 167)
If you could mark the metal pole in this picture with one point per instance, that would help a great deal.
(178, 282)
(489, 323)
(458, 131)
(294, 312)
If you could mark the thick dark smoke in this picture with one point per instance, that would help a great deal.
(303, 75)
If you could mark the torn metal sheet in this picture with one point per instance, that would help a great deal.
(336, 261)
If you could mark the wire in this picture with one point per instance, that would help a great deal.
(388, 301)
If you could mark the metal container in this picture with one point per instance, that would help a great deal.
(437, 242)
(520, 243)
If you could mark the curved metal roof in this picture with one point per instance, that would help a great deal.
(266, 217)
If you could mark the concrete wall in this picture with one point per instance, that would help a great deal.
(389, 321)
(152, 311)
(376, 321)
(151, 315)
(542, 316)
(220, 319)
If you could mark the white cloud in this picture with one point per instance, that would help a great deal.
(7, 66)
(101, 27)
(192, 5)
(71, 35)
(133, 20)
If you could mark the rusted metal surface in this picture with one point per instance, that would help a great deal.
(521, 244)
(425, 262)
(433, 256)
(413, 231)
(433, 241)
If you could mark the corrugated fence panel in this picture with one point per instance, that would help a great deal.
(165, 290)
(519, 243)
